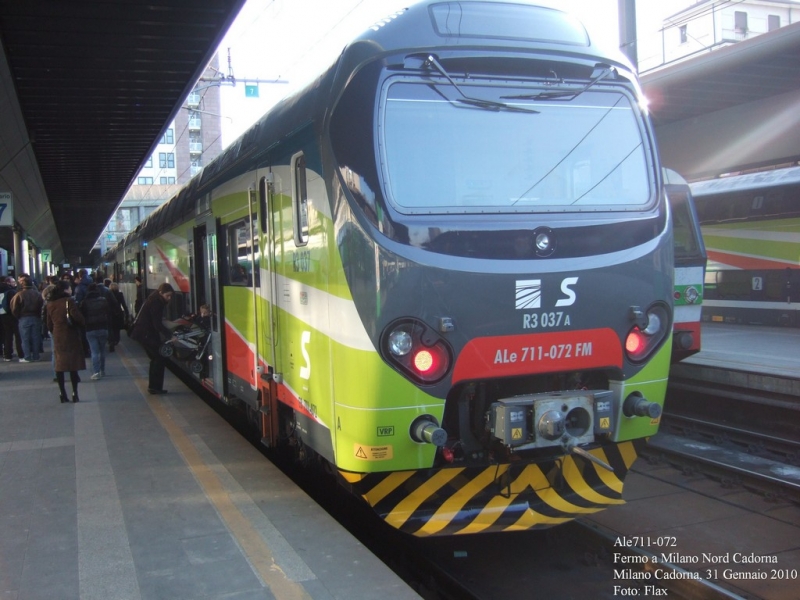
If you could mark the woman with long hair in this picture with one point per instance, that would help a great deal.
(63, 320)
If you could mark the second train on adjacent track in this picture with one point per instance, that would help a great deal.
(751, 224)
(444, 269)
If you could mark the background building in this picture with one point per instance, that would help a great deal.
(708, 25)
(190, 142)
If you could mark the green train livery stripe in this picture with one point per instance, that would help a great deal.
(767, 245)
(180, 278)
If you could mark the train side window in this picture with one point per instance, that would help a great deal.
(263, 205)
(300, 200)
(131, 270)
(240, 253)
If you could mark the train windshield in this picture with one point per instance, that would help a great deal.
(504, 152)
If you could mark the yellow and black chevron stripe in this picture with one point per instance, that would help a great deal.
(503, 497)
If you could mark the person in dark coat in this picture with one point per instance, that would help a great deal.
(67, 344)
(10, 325)
(81, 287)
(97, 315)
(148, 331)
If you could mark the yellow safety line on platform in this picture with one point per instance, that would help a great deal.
(256, 550)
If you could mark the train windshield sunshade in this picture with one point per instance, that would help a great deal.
(506, 22)
(439, 155)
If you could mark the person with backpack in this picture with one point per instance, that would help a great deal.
(26, 306)
(97, 314)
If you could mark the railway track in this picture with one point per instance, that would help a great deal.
(731, 466)
(763, 404)
(736, 435)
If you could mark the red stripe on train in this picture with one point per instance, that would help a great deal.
(509, 355)
(180, 279)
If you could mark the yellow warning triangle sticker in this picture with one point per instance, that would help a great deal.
(360, 453)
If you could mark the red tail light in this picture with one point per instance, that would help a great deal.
(431, 363)
(448, 455)
(424, 361)
(635, 343)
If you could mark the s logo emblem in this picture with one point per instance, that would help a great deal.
(568, 292)
(305, 370)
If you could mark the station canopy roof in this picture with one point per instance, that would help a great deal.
(87, 88)
(751, 70)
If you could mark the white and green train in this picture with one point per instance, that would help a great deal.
(444, 269)
(751, 227)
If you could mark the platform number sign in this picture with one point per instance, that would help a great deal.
(6, 210)
(758, 284)
(46, 255)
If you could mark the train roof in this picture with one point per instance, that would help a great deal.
(749, 181)
(449, 25)
(434, 22)
(515, 24)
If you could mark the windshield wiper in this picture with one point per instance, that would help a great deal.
(566, 94)
(471, 101)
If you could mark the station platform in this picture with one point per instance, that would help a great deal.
(129, 496)
(750, 347)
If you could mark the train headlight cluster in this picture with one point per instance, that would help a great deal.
(416, 350)
(647, 333)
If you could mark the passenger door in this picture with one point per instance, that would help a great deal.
(205, 290)
(270, 374)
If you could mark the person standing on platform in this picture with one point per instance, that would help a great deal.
(96, 313)
(148, 331)
(10, 325)
(81, 287)
(26, 306)
(63, 320)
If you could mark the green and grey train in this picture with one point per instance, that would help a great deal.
(444, 269)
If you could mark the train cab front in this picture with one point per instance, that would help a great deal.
(507, 245)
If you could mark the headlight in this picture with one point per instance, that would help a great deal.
(416, 350)
(640, 343)
(399, 342)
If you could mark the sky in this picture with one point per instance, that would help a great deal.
(296, 40)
